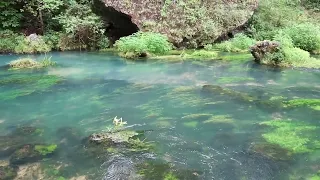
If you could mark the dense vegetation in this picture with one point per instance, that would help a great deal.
(62, 25)
(40, 26)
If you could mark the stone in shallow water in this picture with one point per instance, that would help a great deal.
(31, 153)
(113, 137)
(8, 172)
(271, 151)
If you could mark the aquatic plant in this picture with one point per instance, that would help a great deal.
(30, 63)
(162, 123)
(47, 62)
(45, 149)
(170, 176)
(234, 79)
(197, 116)
(32, 83)
(313, 103)
(220, 119)
(24, 63)
(192, 124)
(289, 135)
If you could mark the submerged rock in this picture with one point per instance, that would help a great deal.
(113, 137)
(8, 172)
(261, 49)
(272, 151)
(119, 167)
(31, 153)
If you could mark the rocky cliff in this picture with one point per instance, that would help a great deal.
(187, 23)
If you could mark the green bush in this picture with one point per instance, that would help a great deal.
(52, 39)
(305, 36)
(240, 43)
(8, 41)
(273, 15)
(144, 42)
(30, 46)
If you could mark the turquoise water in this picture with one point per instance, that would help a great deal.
(167, 101)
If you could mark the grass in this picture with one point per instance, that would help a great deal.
(25, 63)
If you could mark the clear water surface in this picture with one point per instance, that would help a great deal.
(166, 101)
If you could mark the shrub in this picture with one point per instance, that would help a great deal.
(144, 42)
(52, 39)
(32, 44)
(8, 41)
(305, 36)
(273, 15)
(240, 43)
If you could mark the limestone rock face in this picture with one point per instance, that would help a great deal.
(186, 23)
(262, 48)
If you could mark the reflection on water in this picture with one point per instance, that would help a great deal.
(199, 132)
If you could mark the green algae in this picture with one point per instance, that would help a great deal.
(185, 96)
(290, 135)
(170, 176)
(317, 108)
(234, 79)
(220, 119)
(313, 103)
(162, 124)
(228, 92)
(197, 116)
(34, 83)
(45, 150)
(192, 124)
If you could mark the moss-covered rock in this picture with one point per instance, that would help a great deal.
(262, 49)
(31, 153)
(8, 172)
(113, 137)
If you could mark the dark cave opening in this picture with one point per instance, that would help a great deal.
(117, 24)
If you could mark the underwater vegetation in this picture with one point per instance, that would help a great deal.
(313, 103)
(293, 136)
(27, 84)
(191, 124)
(164, 171)
(225, 80)
(220, 119)
(45, 150)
